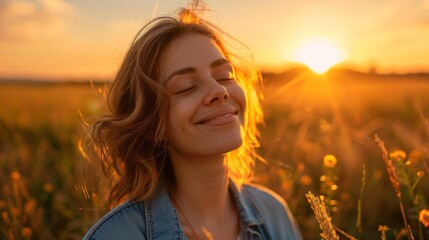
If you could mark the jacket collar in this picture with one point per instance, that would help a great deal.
(162, 220)
(249, 214)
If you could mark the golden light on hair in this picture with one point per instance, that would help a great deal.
(192, 13)
(189, 16)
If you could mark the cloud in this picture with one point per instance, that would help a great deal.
(57, 6)
(23, 20)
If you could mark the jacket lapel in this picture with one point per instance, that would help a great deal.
(161, 218)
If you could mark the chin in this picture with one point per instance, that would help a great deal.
(229, 145)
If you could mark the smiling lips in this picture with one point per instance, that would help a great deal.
(219, 118)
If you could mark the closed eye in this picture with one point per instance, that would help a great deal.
(186, 90)
(225, 79)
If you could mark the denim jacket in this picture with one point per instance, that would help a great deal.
(263, 215)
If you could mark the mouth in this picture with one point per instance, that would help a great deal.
(219, 117)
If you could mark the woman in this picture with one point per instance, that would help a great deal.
(181, 141)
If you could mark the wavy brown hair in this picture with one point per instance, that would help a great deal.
(129, 141)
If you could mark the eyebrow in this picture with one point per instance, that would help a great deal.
(186, 70)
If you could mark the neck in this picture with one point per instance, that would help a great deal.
(203, 183)
(201, 192)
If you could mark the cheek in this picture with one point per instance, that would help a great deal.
(181, 113)
(237, 92)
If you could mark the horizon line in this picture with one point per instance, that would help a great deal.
(303, 68)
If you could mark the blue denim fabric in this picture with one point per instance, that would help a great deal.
(263, 215)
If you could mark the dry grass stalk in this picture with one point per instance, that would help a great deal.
(319, 209)
(411, 233)
(401, 233)
(345, 234)
(394, 180)
(359, 207)
(390, 168)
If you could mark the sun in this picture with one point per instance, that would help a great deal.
(319, 54)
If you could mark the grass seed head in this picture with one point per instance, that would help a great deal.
(319, 209)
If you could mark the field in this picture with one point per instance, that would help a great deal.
(318, 136)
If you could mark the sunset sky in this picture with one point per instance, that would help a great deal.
(57, 39)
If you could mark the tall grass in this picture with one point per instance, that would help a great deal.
(41, 195)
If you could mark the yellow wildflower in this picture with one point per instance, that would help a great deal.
(329, 161)
(383, 229)
(397, 155)
(424, 217)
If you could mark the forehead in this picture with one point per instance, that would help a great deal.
(190, 50)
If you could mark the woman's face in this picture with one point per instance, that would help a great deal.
(206, 102)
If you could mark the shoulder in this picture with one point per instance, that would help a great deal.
(126, 221)
(274, 211)
(264, 197)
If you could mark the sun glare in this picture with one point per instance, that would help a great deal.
(319, 55)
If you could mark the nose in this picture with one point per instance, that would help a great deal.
(217, 93)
